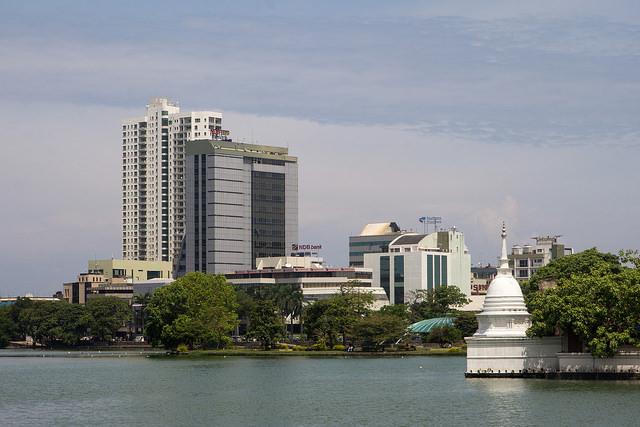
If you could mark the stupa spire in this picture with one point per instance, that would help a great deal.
(504, 260)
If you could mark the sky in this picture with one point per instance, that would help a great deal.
(477, 112)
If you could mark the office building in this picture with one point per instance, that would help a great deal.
(153, 177)
(417, 262)
(241, 204)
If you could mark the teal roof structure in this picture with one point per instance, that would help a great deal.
(428, 324)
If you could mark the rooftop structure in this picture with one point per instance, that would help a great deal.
(374, 238)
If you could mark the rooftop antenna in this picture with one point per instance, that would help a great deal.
(435, 220)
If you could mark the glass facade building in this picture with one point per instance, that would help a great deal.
(241, 204)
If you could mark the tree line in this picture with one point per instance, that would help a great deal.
(203, 311)
(61, 322)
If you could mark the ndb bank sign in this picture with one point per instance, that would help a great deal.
(298, 247)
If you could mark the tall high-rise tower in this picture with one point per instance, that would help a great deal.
(153, 177)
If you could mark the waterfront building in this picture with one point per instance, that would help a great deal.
(525, 260)
(241, 204)
(309, 274)
(93, 285)
(153, 177)
(113, 277)
(417, 262)
(374, 238)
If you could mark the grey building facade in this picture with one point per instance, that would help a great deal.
(241, 204)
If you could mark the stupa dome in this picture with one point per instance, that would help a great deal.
(504, 313)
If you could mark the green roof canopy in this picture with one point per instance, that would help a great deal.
(428, 324)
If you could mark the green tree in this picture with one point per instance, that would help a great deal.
(287, 298)
(591, 297)
(15, 311)
(196, 310)
(466, 322)
(444, 300)
(106, 316)
(327, 319)
(444, 335)
(244, 306)
(320, 322)
(49, 322)
(380, 329)
(588, 262)
(399, 310)
(8, 328)
(265, 323)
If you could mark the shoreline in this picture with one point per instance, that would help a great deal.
(159, 352)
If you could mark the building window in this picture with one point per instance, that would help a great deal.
(524, 263)
(398, 279)
(430, 272)
(384, 274)
(444, 270)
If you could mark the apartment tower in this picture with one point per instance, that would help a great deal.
(153, 177)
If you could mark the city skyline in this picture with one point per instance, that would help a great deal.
(519, 112)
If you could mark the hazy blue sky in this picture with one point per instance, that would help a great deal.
(477, 112)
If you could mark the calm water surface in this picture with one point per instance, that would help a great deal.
(99, 390)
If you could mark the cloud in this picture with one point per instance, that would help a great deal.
(475, 113)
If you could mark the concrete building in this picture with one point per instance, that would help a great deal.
(481, 277)
(525, 260)
(421, 262)
(113, 277)
(309, 274)
(149, 286)
(93, 285)
(131, 271)
(241, 204)
(153, 177)
(374, 238)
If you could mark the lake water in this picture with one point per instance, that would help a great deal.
(74, 389)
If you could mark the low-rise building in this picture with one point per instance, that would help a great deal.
(92, 285)
(316, 280)
(525, 260)
(481, 277)
(131, 270)
(113, 277)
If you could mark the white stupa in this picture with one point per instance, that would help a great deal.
(501, 347)
(504, 313)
